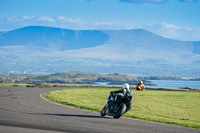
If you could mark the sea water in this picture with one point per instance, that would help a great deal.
(167, 84)
(176, 84)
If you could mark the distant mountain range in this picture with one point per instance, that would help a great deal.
(39, 49)
(48, 37)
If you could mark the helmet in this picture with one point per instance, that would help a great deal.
(125, 88)
(141, 81)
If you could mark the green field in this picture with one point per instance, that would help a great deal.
(180, 108)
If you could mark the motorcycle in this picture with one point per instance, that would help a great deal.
(115, 106)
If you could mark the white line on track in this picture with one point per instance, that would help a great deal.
(41, 95)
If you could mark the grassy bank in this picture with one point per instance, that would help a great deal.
(64, 86)
(172, 107)
(13, 85)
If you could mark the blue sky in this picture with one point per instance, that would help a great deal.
(176, 19)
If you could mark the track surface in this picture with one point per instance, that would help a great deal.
(22, 110)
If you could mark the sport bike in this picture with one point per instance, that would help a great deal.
(115, 106)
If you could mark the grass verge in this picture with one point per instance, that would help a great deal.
(12, 85)
(170, 107)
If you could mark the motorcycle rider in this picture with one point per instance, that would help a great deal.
(127, 98)
(140, 86)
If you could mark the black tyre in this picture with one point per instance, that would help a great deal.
(120, 111)
(103, 111)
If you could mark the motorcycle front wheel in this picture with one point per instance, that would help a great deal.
(103, 111)
(119, 111)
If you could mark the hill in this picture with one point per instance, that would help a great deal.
(71, 78)
(52, 38)
(140, 45)
(38, 49)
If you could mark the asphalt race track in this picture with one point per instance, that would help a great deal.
(22, 110)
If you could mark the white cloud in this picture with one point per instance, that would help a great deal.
(169, 26)
(27, 17)
(44, 18)
(9, 23)
(103, 23)
(61, 18)
(174, 32)
(68, 20)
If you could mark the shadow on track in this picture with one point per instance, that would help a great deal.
(87, 116)
(69, 115)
